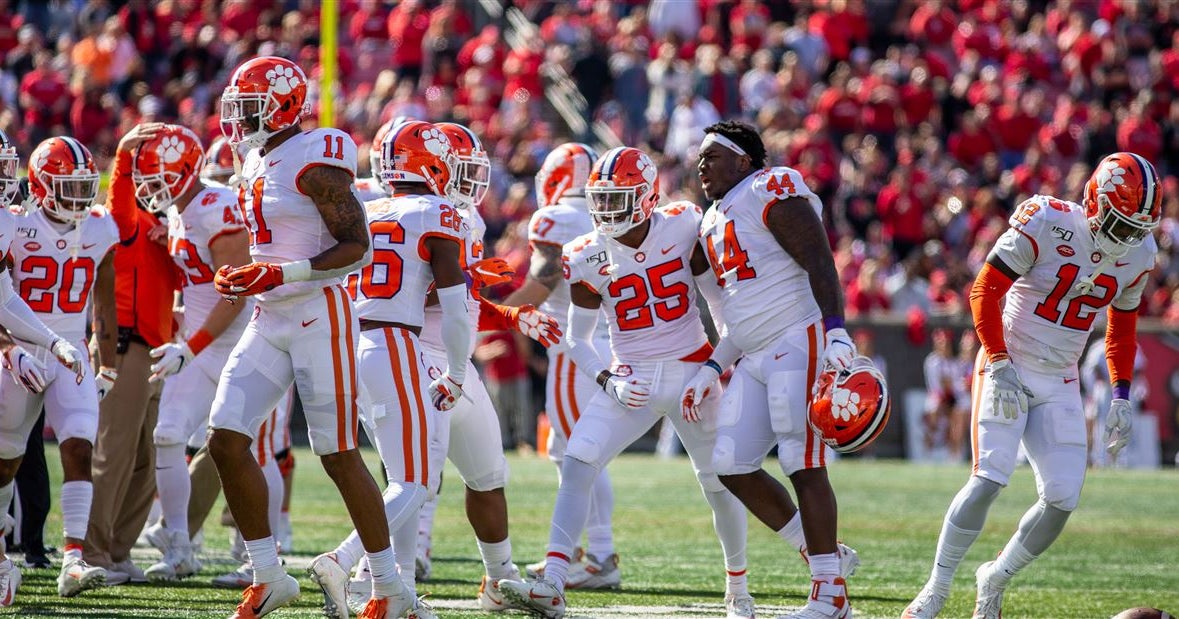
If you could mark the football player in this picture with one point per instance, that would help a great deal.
(372, 187)
(642, 266)
(1058, 266)
(783, 314)
(219, 167)
(416, 244)
(307, 231)
(62, 253)
(562, 215)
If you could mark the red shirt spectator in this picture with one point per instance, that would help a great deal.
(933, 23)
(842, 30)
(44, 96)
(971, 143)
(522, 70)
(900, 209)
(240, 16)
(407, 27)
(1032, 174)
(1139, 133)
(368, 22)
(881, 100)
(140, 22)
(1014, 127)
(8, 25)
(841, 110)
(917, 99)
(89, 117)
(747, 23)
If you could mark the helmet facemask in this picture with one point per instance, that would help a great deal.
(245, 116)
(9, 182)
(154, 192)
(615, 209)
(70, 197)
(1114, 232)
(473, 174)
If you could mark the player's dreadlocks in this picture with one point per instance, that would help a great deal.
(745, 136)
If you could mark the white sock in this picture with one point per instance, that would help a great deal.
(556, 569)
(730, 524)
(497, 558)
(402, 500)
(792, 532)
(264, 557)
(1013, 558)
(274, 491)
(76, 497)
(174, 486)
(952, 545)
(738, 582)
(825, 566)
(599, 528)
(349, 552)
(6, 492)
(383, 566)
(405, 536)
(426, 524)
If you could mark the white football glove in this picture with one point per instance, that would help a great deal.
(1010, 395)
(1117, 427)
(444, 392)
(538, 325)
(698, 388)
(840, 351)
(633, 393)
(172, 358)
(70, 357)
(105, 381)
(25, 369)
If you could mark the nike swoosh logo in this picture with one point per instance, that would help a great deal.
(780, 355)
(274, 163)
(258, 609)
(84, 246)
(537, 597)
(1069, 380)
(1120, 264)
(666, 251)
(308, 322)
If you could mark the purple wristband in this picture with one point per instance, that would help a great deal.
(832, 322)
(1121, 392)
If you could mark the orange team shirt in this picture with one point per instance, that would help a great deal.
(145, 275)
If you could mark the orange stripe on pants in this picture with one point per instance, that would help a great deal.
(423, 424)
(812, 339)
(403, 398)
(557, 395)
(334, 320)
(571, 386)
(976, 387)
(354, 410)
(260, 444)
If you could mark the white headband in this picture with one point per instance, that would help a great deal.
(716, 138)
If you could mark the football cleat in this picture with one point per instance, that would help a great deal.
(926, 605)
(130, 570)
(828, 600)
(536, 570)
(739, 606)
(358, 592)
(404, 604)
(327, 572)
(262, 599)
(596, 574)
(421, 610)
(540, 597)
(849, 559)
(240, 578)
(178, 561)
(9, 582)
(490, 597)
(77, 576)
(152, 537)
(989, 603)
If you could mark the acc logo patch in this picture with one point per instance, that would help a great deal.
(32, 246)
(1066, 251)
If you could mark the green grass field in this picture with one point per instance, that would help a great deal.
(1119, 550)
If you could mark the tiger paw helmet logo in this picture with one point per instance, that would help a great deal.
(170, 150)
(845, 404)
(1109, 176)
(646, 167)
(436, 142)
(282, 79)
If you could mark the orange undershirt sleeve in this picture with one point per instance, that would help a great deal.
(1121, 343)
(985, 304)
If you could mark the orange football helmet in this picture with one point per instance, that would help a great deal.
(374, 151)
(850, 408)
(419, 152)
(1123, 201)
(9, 162)
(473, 174)
(264, 96)
(63, 179)
(623, 189)
(218, 161)
(565, 171)
(165, 166)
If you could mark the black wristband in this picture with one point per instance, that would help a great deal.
(603, 378)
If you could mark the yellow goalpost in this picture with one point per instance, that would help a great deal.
(329, 17)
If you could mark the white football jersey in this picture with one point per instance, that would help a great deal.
(369, 189)
(211, 213)
(284, 223)
(471, 231)
(1046, 320)
(648, 293)
(764, 291)
(393, 287)
(558, 224)
(53, 279)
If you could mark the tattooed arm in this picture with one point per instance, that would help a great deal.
(343, 214)
(800, 232)
(106, 317)
(544, 274)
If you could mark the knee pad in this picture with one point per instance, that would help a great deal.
(490, 481)
(577, 473)
(983, 489)
(710, 482)
(585, 449)
(79, 425)
(165, 435)
(1063, 494)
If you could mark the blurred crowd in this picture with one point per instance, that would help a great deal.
(920, 123)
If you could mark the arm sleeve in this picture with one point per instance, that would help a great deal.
(120, 200)
(989, 288)
(19, 318)
(582, 324)
(726, 353)
(456, 330)
(1121, 344)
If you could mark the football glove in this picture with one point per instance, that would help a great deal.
(633, 393)
(698, 388)
(105, 381)
(537, 325)
(444, 392)
(840, 350)
(172, 358)
(70, 357)
(25, 369)
(491, 272)
(1117, 427)
(251, 279)
(1010, 395)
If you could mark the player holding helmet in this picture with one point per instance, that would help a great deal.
(642, 265)
(1058, 266)
(783, 314)
(307, 231)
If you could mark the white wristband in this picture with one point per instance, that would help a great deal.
(296, 271)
